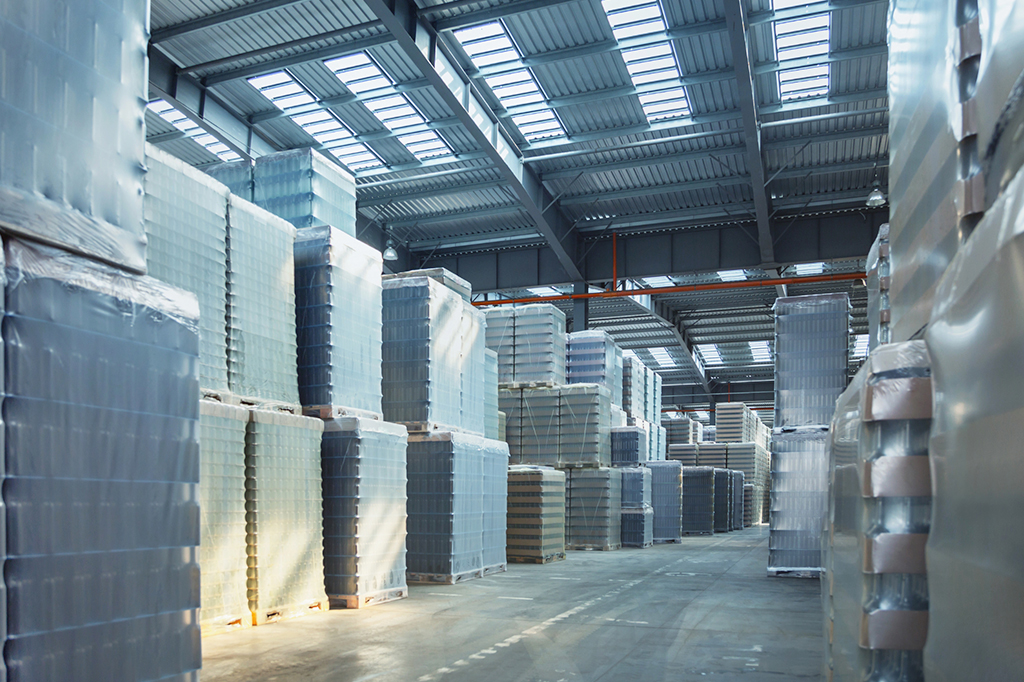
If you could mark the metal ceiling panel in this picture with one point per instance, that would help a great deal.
(558, 27)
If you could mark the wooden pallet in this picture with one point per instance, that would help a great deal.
(337, 411)
(517, 385)
(218, 626)
(697, 532)
(266, 616)
(794, 573)
(592, 548)
(560, 556)
(496, 568)
(220, 396)
(360, 601)
(673, 541)
(643, 546)
(269, 405)
(444, 578)
(430, 427)
(580, 465)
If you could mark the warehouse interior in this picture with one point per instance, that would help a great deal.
(511, 339)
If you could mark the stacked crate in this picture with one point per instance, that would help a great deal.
(307, 189)
(684, 454)
(737, 500)
(637, 512)
(667, 500)
(811, 361)
(723, 500)
(629, 446)
(592, 357)
(735, 423)
(878, 281)
(491, 412)
(748, 505)
(594, 509)
(530, 342)
(678, 431)
(536, 514)
(698, 516)
(363, 463)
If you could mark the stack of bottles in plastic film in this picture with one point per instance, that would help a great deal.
(737, 500)
(685, 454)
(975, 572)
(812, 336)
(878, 282)
(667, 500)
(641, 400)
(637, 511)
(594, 508)
(530, 342)
(698, 513)
(748, 504)
(559, 426)
(629, 446)
(536, 514)
(592, 357)
(723, 500)
(874, 583)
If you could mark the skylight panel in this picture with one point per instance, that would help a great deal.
(860, 346)
(809, 268)
(359, 73)
(709, 354)
(732, 275)
(186, 125)
(544, 291)
(702, 415)
(650, 64)
(662, 357)
(658, 282)
(760, 351)
(804, 38)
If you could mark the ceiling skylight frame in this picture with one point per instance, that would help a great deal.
(760, 351)
(801, 39)
(710, 355)
(191, 129)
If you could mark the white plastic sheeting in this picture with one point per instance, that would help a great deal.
(530, 341)
(667, 500)
(592, 357)
(536, 513)
(306, 189)
(799, 492)
(594, 509)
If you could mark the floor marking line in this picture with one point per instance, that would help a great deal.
(518, 598)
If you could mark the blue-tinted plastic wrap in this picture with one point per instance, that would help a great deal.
(102, 461)
(306, 189)
(454, 509)
(698, 515)
(629, 446)
(472, 371)
(667, 500)
(799, 492)
(338, 319)
(237, 176)
(530, 341)
(261, 305)
(737, 500)
(723, 500)
(222, 554)
(594, 509)
(536, 513)
(284, 514)
(364, 496)
(491, 407)
(634, 387)
(638, 527)
(187, 229)
(72, 125)
(677, 431)
(592, 357)
(636, 487)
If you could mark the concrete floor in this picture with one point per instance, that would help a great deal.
(702, 610)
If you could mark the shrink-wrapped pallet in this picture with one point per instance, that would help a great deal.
(684, 454)
(531, 343)
(594, 517)
(667, 500)
(723, 500)
(592, 357)
(698, 516)
(629, 446)
(307, 189)
(737, 500)
(491, 411)
(536, 514)
(636, 487)
(638, 527)
(799, 491)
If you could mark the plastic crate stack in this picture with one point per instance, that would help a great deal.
(713, 455)
(677, 431)
(536, 514)
(594, 509)
(723, 500)
(811, 362)
(363, 464)
(696, 431)
(875, 583)
(629, 446)
(338, 319)
(684, 454)
(306, 189)
(262, 348)
(584, 425)
(641, 388)
(737, 500)
(667, 500)
(637, 512)
(748, 505)
(735, 423)
(592, 357)
(457, 504)
(698, 515)
(878, 282)
(531, 343)
(492, 415)
(633, 387)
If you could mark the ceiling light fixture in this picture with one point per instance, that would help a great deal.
(876, 198)
(390, 254)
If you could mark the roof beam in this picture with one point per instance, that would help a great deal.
(685, 186)
(419, 45)
(695, 155)
(817, 60)
(227, 16)
(483, 16)
(735, 18)
(432, 192)
(488, 212)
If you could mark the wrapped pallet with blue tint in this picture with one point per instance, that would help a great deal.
(491, 411)
(222, 551)
(531, 344)
(698, 515)
(684, 454)
(592, 357)
(284, 515)
(237, 176)
(799, 493)
(737, 500)
(261, 306)
(723, 500)
(307, 189)
(500, 338)
(636, 487)
(584, 425)
(533, 424)
(472, 371)
(748, 505)
(878, 280)
(634, 387)
(103, 525)
(338, 321)
(451, 506)
(594, 509)
(422, 353)
(494, 487)
(874, 582)
(677, 431)
(629, 446)
(187, 230)
(363, 465)
(667, 500)
(536, 514)
(72, 121)
(637, 512)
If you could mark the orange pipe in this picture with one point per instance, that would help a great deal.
(697, 409)
(615, 261)
(682, 289)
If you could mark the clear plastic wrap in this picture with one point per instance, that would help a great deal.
(306, 189)
(442, 276)
(536, 513)
(812, 340)
(754, 461)
(634, 387)
(667, 500)
(629, 446)
(799, 494)
(713, 455)
(584, 425)
(684, 454)
(363, 464)
(284, 514)
(975, 572)
(748, 504)
(723, 500)
(594, 509)
(186, 226)
(338, 304)
(222, 551)
(592, 357)
(735, 423)
(491, 412)
(677, 431)
(878, 280)
(262, 351)
(237, 176)
(72, 122)
(638, 527)
(530, 341)
(102, 517)
(473, 370)
(698, 516)
(737, 500)
(457, 503)
(636, 487)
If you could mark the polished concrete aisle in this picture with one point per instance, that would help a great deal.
(700, 610)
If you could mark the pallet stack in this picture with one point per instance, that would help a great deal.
(667, 500)
(629, 446)
(594, 508)
(641, 400)
(684, 454)
(748, 505)
(723, 500)
(592, 357)
(698, 517)
(637, 512)
(737, 500)
(536, 514)
(677, 431)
